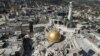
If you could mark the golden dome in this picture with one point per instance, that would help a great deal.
(54, 36)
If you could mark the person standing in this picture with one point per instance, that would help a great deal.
(27, 45)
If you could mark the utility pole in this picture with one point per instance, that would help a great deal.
(21, 27)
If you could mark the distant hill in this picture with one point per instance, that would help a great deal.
(91, 2)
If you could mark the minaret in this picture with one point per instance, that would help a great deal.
(70, 11)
